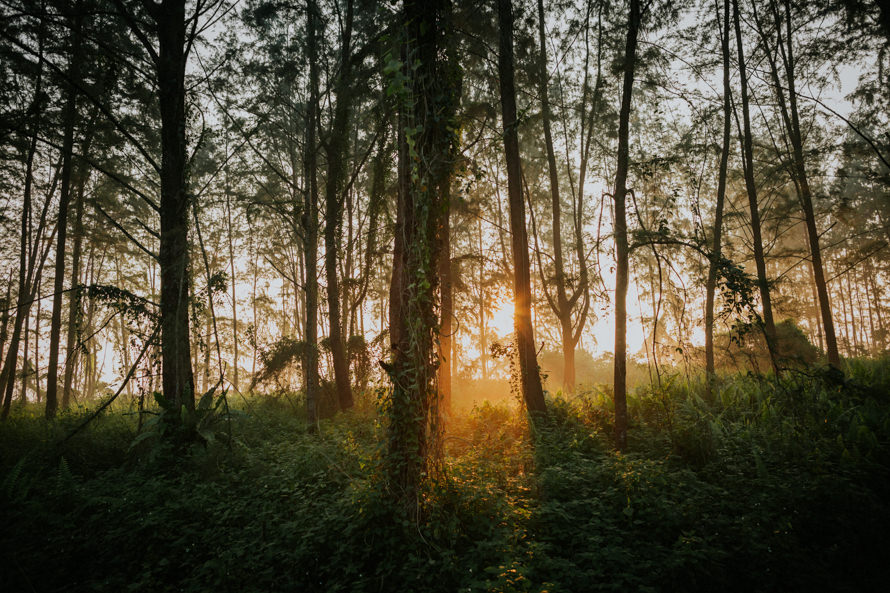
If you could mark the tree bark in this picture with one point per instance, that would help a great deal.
(178, 377)
(791, 119)
(753, 205)
(529, 375)
(337, 144)
(70, 114)
(428, 136)
(716, 248)
(23, 302)
(621, 247)
(562, 308)
(310, 220)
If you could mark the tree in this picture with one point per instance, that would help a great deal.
(564, 304)
(788, 108)
(529, 376)
(746, 139)
(70, 114)
(716, 249)
(621, 245)
(424, 79)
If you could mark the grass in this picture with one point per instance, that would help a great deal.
(755, 485)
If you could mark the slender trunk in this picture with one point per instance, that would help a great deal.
(792, 124)
(530, 378)
(74, 304)
(178, 377)
(716, 249)
(310, 221)
(233, 279)
(70, 115)
(334, 213)
(562, 310)
(621, 247)
(23, 305)
(815, 307)
(751, 187)
(6, 305)
(37, 393)
(26, 366)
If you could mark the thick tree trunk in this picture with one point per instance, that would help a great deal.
(428, 112)
(753, 205)
(716, 248)
(334, 213)
(178, 377)
(621, 247)
(530, 378)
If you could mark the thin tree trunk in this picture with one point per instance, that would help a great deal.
(55, 334)
(716, 249)
(621, 247)
(7, 375)
(446, 312)
(530, 378)
(334, 212)
(310, 221)
(751, 186)
(563, 309)
(74, 304)
(791, 120)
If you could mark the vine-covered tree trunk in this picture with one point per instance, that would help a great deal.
(429, 135)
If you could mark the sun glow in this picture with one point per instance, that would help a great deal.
(502, 317)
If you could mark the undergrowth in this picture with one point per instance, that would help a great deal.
(747, 484)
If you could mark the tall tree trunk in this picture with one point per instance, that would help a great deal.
(753, 205)
(70, 114)
(621, 247)
(74, 304)
(428, 108)
(530, 378)
(562, 308)
(334, 212)
(178, 377)
(716, 249)
(23, 304)
(310, 220)
(791, 118)
(233, 280)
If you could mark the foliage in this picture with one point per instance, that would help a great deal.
(753, 485)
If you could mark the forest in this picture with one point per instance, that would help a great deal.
(444, 295)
